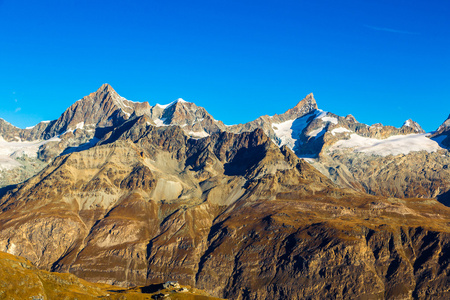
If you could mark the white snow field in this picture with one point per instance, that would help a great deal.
(394, 145)
(11, 150)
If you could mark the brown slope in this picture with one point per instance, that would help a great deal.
(321, 248)
(22, 280)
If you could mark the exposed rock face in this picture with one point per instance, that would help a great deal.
(418, 174)
(12, 133)
(442, 134)
(306, 106)
(385, 161)
(253, 253)
(194, 120)
(414, 125)
(79, 127)
(104, 108)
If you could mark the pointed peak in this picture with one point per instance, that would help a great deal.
(310, 96)
(350, 118)
(105, 88)
(408, 123)
(164, 106)
(444, 126)
(305, 106)
(309, 99)
(414, 125)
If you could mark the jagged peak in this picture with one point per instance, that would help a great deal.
(308, 99)
(179, 100)
(3, 122)
(106, 87)
(414, 125)
(100, 92)
(351, 118)
(445, 126)
(305, 106)
(408, 123)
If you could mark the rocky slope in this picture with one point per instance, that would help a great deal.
(386, 161)
(22, 280)
(233, 214)
(442, 134)
(83, 124)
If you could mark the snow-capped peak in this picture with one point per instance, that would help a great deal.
(164, 106)
(414, 125)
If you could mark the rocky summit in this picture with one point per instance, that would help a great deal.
(302, 205)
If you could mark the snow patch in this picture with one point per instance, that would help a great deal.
(330, 119)
(164, 106)
(323, 116)
(284, 132)
(317, 132)
(340, 130)
(9, 151)
(289, 131)
(122, 101)
(198, 134)
(320, 114)
(394, 145)
(160, 122)
(137, 102)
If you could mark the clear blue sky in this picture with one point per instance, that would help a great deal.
(382, 61)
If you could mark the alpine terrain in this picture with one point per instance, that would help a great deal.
(301, 205)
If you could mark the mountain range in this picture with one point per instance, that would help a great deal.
(305, 204)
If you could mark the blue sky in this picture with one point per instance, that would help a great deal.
(382, 61)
